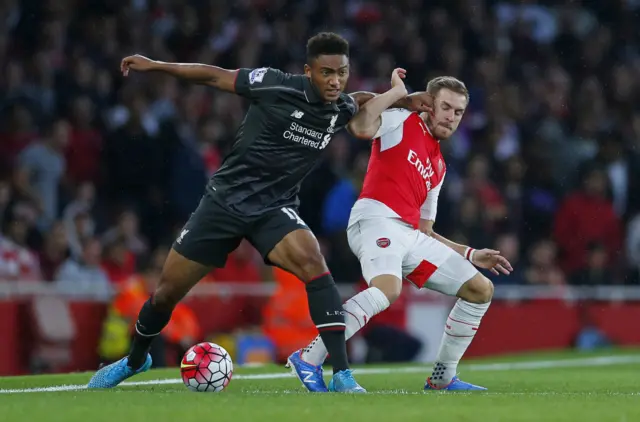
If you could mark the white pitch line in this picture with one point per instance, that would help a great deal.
(543, 364)
(458, 393)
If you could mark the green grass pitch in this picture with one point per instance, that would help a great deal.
(544, 387)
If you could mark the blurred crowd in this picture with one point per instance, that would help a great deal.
(98, 172)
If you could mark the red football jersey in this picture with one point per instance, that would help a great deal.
(405, 172)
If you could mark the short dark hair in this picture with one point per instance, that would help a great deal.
(326, 43)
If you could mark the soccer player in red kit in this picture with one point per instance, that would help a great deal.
(391, 227)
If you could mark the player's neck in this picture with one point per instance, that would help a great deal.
(425, 118)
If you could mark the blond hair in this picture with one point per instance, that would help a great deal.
(447, 82)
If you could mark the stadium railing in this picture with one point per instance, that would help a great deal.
(521, 318)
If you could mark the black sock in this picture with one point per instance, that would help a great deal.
(151, 321)
(325, 306)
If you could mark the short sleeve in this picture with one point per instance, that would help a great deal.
(391, 120)
(257, 83)
(390, 130)
(429, 209)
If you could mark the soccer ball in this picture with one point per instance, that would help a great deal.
(206, 367)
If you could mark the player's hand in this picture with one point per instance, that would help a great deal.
(397, 77)
(137, 62)
(491, 260)
(420, 102)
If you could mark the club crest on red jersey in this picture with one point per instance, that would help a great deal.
(383, 242)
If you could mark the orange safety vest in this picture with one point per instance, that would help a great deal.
(126, 306)
(286, 319)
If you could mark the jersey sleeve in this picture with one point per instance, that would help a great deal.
(256, 84)
(390, 130)
(429, 209)
(391, 120)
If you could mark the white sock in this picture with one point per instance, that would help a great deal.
(460, 328)
(358, 311)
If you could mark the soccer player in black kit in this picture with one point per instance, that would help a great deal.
(254, 195)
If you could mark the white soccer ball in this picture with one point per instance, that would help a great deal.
(206, 367)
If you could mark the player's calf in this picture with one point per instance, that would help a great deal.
(460, 329)
(179, 275)
(299, 253)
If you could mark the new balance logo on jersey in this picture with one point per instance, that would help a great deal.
(297, 114)
(425, 170)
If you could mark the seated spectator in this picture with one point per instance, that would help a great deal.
(77, 217)
(39, 171)
(54, 251)
(543, 267)
(84, 274)
(17, 263)
(127, 228)
(509, 246)
(85, 143)
(118, 262)
(596, 271)
(587, 216)
(480, 185)
(18, 134)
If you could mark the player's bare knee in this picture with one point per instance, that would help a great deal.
(388, 284)
(306, 264)
(311, 265)
(479, 289)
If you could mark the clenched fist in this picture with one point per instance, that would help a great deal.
(138, 63)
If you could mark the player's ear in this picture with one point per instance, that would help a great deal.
(307, 70)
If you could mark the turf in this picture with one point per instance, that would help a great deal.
(546, 387)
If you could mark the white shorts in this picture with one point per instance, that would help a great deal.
(390, 246)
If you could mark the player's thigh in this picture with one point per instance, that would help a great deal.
(380, 245)
(211, 234)
(435, 266)
(284, 240)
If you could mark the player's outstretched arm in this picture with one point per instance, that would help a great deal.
(418, 101)
(488, 259)
(214, 76)
(367, 120)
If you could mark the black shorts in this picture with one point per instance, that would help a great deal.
(214, 231)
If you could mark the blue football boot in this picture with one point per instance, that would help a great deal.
(343, 382)
(111, 375)
(456, 384)
(309, 375)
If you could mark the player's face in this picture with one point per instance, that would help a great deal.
(329, 74)
(448, 109)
